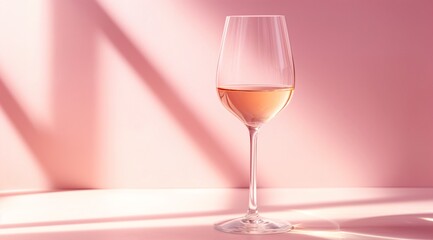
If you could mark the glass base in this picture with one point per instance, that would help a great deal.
(258, 225)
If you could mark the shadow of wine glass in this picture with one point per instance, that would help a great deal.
(395, 227)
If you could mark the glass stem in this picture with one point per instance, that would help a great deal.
(253, 213)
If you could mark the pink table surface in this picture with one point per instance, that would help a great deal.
(347, 213)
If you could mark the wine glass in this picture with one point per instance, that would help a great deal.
(255, 80)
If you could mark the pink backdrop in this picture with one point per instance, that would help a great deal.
(113, 93)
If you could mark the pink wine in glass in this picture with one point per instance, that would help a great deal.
(255, 80)
(255, 104)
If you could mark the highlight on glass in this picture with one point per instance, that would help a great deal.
(255, 81)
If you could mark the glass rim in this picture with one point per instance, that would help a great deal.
(255, 16)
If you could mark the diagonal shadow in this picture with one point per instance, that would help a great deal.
(217, 154)
(118, 219)
(65, 151)
(65, 156)
(401, 198)
(39, 141)
(394, 199)
(18, 117)
(34, 138)
(190, 232)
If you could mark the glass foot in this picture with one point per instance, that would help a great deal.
(257, 225)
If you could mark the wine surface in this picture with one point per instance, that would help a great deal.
(255, 104)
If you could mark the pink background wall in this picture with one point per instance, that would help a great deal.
(114, 93)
